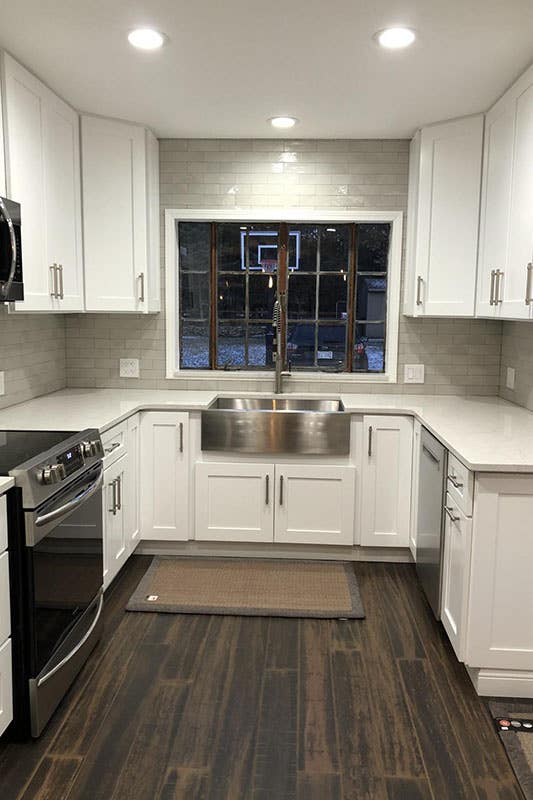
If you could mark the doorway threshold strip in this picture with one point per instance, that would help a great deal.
(249, 587)
(514, 723)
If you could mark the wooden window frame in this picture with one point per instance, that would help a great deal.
(285, 217)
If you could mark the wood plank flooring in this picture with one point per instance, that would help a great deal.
(241, 708)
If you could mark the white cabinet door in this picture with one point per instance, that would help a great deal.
(43, 166)
(456, 575)
(116, 550)
(119, 194)
(133, 483)
(500, 628)
(443, 231)
(235, 502)
(165, 476)
(6, 686)
(506, 230)
(5, 605)
(315, 504)
(386, 481)
(61, 144)
(24, 124)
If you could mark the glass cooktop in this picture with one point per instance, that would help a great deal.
(16, 447)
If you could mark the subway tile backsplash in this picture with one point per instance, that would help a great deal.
(461, 356)
(517, 352)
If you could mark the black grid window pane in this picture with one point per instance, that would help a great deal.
(194, 295)
(194, 242)
(373, 248)
(373, 241)
(335, 245)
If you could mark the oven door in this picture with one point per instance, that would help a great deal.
(11, 286)
(64, 546)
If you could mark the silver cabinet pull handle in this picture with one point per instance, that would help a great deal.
(53, 273)
(497, 286)
(450, 513)
(181, 437)
(141, 292)
(61, 292)
(113, 485)
(419, 282)
(281, 490)
(529, 299)
(112, 446)
(370, 441)
(119, 493)
(455, 482)
(267, 490)
(492, 277)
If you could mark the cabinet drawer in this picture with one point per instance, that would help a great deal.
(5, 608)
(6, 686)
(3, 523)
(114, 442)
(460, 485)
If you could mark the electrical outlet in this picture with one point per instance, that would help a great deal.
(129, 367)
(2, 383)
(509, 381)
(413, 373)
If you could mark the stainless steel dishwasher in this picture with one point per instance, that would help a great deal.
(430, 528)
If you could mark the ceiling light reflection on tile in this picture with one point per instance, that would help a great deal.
(288, 158)
(277, 167)
(233, 190)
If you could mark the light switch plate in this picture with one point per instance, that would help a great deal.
(413, 373)
(129, 367)
(2, 383)
(509, 380)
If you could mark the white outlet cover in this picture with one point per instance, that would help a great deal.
(2, 383)
(129, 367)
(509, 381)
(413, 373)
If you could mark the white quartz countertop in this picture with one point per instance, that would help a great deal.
(5, 484)
(485, 433)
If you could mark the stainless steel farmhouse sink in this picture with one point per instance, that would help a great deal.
(276, 425)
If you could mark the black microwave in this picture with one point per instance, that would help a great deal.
(11, 285)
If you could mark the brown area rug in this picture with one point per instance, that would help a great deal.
(518, 742)
(251, 587)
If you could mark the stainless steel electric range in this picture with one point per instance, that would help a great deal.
(55, 543)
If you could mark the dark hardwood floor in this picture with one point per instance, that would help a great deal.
(240, 708)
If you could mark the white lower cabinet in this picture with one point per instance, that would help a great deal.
(386, 481)
(116, 550)
(164, 475)
(235, 502)
(6, 686)
(315, 504)
(456, 575)
(296, 503)
(500, 618)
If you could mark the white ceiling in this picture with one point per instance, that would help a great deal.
(231, 64)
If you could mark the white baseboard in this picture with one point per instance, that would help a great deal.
(398, 555)
(502, 683)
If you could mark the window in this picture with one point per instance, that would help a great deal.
(333, 280)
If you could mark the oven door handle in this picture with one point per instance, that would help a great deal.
(5, 288)
(80, 498)
(78, 647)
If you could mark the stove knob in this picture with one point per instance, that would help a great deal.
(53, 473)
(91, 448)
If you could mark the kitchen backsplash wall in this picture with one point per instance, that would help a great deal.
(461, 357)
(32, 355)
(517, 352)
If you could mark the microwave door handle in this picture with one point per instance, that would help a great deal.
(5, 288)
(80, 498)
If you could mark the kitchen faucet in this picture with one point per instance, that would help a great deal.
(280, 373)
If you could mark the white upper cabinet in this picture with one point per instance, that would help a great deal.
(120, 168)
(505, 275)
(43, 174)
(443, 218)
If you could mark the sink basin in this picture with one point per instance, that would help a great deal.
(276, 404)
(270, 425)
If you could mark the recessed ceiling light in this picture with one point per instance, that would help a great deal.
(283, 122)
(395, 38)
(146, 39)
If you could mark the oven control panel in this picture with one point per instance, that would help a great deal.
(68, 462)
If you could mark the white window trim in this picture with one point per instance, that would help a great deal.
(174, 215)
